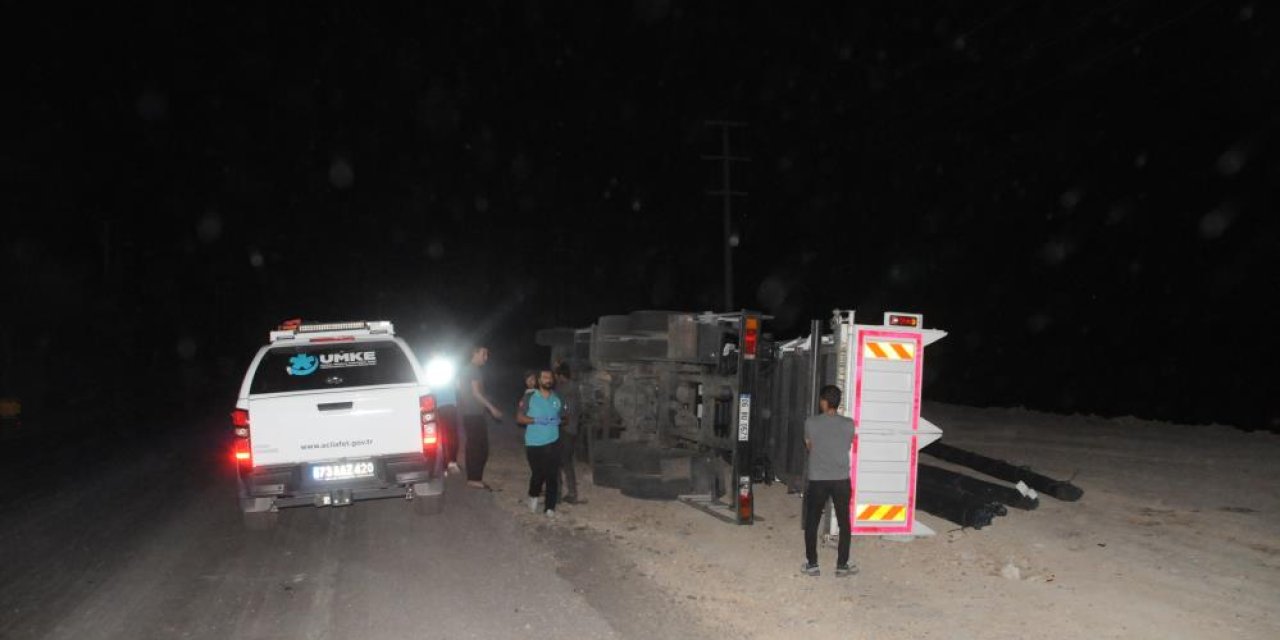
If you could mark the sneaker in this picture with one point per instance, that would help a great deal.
(551, 513)
(810, 569)
(570, 499)
(533, 505)
(454, 468)
(843, 570)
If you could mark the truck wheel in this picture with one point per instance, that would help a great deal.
(650, 486)
(614, 350)
(670, 462)
(606, 452)
(607, 475)
(642, 459)
(647, 348)
(650, 322)
(613, 326)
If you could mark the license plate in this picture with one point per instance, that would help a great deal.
(341, 471)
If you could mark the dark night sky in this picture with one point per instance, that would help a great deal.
(1083, 194)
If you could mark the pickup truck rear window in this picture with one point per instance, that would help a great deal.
(310, 367)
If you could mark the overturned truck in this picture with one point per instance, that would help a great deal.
(698, 406)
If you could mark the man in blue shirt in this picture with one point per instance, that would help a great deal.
(541, 413)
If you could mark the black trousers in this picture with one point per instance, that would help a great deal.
(477, 446)
(544, 470)
(816, 495)
(568, 446)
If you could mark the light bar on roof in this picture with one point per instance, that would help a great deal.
(333, 326)
(377, 326)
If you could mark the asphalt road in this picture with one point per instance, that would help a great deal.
(140, 537)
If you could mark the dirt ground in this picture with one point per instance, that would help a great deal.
(1176, 537)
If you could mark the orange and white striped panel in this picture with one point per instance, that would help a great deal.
(881, 513)
(884, 350)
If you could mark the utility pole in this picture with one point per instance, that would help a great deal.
(726, 191)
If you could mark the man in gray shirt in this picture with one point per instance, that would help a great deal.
(828, 437)
(473, 403)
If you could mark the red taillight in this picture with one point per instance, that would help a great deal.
(242, 453)
(242, 448)
(744, 501)
(750, 337)
(430, 428)
(904, 321)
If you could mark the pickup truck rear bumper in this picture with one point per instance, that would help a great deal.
(295, 485)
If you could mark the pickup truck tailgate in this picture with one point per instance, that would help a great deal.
(327, 425)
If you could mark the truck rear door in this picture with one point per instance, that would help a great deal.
(311, 402)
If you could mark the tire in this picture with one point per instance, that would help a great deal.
(606, 451)
(643, 459)
(610, 351)
(668, 462)
(647, 348)
(613, 326)
(607, 475)
(647, 486)
(630, 349)
(650, 322)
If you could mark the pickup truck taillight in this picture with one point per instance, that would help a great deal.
(430, 425)
(241, 447)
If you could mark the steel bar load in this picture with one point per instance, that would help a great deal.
(955, 505)
(988, 491)
(1060, 489)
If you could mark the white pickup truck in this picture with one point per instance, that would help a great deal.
(332, 413)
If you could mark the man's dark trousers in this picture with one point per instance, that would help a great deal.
(477, 453)
(544, 471)
(815, 500)
(568, 446)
